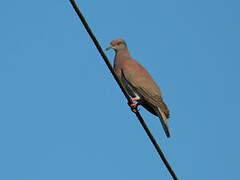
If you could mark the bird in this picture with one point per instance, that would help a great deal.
(138, 83)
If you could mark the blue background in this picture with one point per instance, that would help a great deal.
(62, 116)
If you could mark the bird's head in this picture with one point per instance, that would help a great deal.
(117, 44)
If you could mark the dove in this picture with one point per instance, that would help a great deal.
(138, 83)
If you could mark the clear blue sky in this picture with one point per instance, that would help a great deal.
(62, 116)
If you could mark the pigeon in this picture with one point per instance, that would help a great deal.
(138, 83)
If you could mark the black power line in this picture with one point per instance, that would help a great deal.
(154, 142)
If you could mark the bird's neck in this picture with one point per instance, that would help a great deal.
(121, 55)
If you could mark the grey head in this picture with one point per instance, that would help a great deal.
(117, 45)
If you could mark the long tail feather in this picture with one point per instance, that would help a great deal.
(163, 120)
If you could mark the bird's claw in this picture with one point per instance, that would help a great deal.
(134, 104)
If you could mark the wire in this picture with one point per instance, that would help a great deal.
(154, 142)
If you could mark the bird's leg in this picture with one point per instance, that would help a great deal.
(134, 104)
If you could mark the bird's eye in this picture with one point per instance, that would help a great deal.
(118, 43)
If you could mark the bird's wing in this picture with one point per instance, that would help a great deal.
(143, 84)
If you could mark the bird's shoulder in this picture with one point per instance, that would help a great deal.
(134, 70)
(139, 77)
(132, 66)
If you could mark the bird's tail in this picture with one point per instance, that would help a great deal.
(163, 120)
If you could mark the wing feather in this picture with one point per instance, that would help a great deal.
(142, 83)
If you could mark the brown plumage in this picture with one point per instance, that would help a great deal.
(139, 83)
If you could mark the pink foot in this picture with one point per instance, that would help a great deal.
(134, 104)
(135, 99)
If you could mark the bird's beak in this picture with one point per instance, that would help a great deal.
(110, 47)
